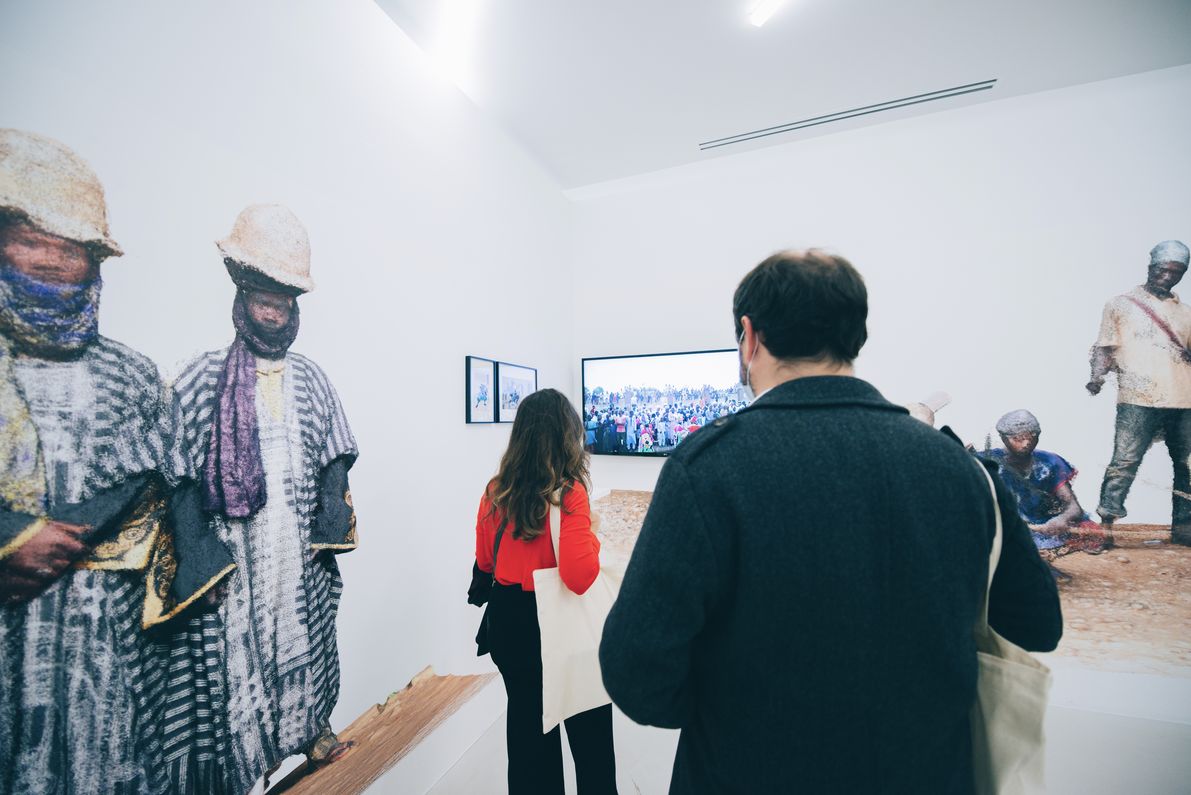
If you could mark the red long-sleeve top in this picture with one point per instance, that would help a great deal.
(578, 546)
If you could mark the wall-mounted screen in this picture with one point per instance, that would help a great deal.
(649, 404)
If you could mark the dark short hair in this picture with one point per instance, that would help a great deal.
(805, 305)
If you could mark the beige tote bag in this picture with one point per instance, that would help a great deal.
(571, 627)
(1008, 745)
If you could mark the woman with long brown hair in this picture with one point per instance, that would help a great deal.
(544, 463)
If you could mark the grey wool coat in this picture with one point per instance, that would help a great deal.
(801, 599)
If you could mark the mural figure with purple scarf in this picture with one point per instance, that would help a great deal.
(267, 449)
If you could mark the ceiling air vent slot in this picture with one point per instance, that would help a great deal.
(893, 104)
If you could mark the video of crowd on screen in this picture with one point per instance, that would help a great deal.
(650, 404)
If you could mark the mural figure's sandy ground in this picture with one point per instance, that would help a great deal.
(1129, 609)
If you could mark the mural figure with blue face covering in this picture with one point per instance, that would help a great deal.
(85, 457)
(1145, 338)
(267, 449)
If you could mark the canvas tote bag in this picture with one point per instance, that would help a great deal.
(1008, 745)
(571, 627)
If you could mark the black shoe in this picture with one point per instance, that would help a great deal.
(1106, 521)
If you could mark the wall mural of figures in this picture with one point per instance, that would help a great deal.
(1125, 610)
(85, 450)
(168, 585)
(267, 449)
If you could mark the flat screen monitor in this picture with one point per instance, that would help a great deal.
(648, 404)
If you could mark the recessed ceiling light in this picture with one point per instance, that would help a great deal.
(763, 11)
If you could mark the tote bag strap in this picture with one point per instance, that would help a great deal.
(496, 546)
(556, 520)
(995, 554)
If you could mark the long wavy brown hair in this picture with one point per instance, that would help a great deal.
(545, 453)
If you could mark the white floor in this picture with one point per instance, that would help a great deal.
(1088, 753)
(644, 756)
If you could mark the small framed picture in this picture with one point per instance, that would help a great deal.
(481, 389)
(514, 384)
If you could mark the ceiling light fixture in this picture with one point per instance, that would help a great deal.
(815, 121)
(763, 11)
(453, 48)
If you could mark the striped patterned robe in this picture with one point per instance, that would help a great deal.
(81, 686)
(255, 681)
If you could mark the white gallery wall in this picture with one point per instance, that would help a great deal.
(433, 237)
(990, 237)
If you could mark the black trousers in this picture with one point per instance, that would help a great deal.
(535, 759)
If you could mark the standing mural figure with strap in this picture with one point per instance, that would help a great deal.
(1145, 338)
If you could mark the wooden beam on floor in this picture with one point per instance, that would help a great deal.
(385, 733)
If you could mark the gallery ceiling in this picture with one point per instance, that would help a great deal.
(602, 90)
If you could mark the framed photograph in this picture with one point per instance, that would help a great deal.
(514, 383)
(481, 389)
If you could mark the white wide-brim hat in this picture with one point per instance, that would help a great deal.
(269, 239)
(45, 183)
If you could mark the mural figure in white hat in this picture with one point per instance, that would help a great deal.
(267, 449)
(1145, 338)
(85, 434)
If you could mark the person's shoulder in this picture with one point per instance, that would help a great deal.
(576, 497)
(206, 359)
(938, 450)
(957, 455)
(1130, 298)
(310, 371)
(1053, 460)
(1178, 304)
(209, 364)
(1122, 301)
(707, 438)
(112, 350)
(113, 356)
(301, 360)
(305, 364)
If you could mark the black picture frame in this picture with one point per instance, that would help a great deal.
(473, 415)
(505, 413)
(583, 391)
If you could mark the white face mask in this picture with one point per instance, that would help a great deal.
(746, 386)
